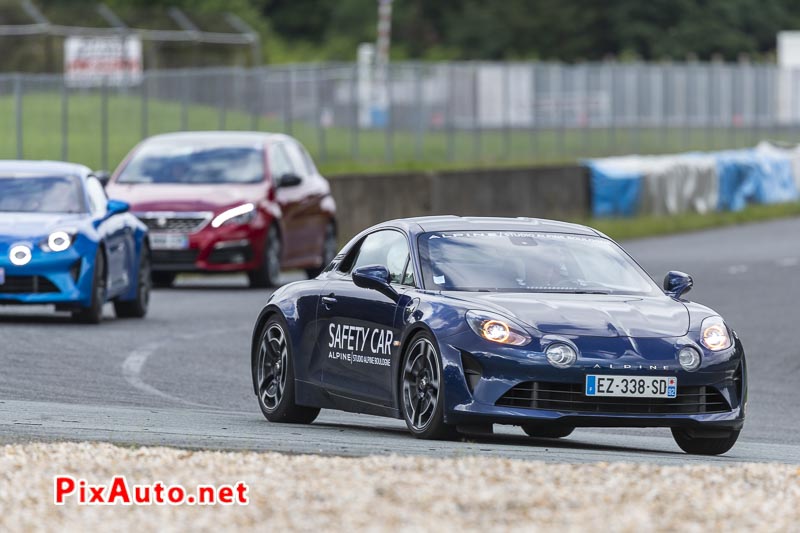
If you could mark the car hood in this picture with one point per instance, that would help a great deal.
(26, 226)
(177, 197)
(589, 314)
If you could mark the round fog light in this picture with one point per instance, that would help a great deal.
(560, 355)
(689, 358)
(20, 255)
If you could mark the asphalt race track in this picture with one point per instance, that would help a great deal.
(181, 377)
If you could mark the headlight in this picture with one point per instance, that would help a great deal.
(58, 241)
(238, 215)
(561, 355)
(497, 329)
(19, 255)
(714, 334)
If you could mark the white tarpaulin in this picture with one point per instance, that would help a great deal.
(92, 61)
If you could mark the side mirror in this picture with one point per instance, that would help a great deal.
(103, 176)
(375, 277)
(288, 180)
(677, 283)
(116, 207)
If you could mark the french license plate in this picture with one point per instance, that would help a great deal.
(169, 241)
(2, 276)
(632, 386)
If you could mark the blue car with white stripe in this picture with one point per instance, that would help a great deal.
(63, 242)
(456, 324)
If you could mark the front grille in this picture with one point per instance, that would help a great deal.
(174, 257)
(174, 223)
(238, 254)
(27, 285)
(571, 397)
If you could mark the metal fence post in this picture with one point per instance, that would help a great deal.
(64, 119)
(104, 126)
(145, 112)
(185, 87)
(420, 111)
(534, 112)
(321, 113)
(506, 111)
(389, 113)
(288, 92)
(255, 96)
(354, 132)
(222, 104)
(476, 119)
(18, 115)
(449, 106)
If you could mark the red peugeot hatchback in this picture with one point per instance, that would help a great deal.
(229, 202)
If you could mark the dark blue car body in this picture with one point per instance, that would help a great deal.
(65, 277)
(486, 382)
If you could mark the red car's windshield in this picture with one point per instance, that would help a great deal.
(179, 163)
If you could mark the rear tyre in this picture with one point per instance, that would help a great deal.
(547, 431)
(328, 251)
(93, 314)
(270, 270)
(274, 376)
(697, 442)
(422, 390)
(162, 280)
(137, 308)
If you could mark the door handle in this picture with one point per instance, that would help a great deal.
(328, 301)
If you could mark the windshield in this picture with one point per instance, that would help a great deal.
(41, 194)
(528, 262)
(179, 163)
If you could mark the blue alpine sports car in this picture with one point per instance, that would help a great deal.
(63, 242)
(455, 324)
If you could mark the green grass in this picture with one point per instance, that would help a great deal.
(337, 150)
(650, 226)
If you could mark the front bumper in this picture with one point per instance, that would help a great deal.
(223, 249)
(495, 384)
(50, 278)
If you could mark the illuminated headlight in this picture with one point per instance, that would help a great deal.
(714, 334)
(689, 358)
(19, 255)
(58, 241)
(497, 329)
(561, 355)
(238, 215)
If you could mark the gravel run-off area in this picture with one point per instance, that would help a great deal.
(308, 492)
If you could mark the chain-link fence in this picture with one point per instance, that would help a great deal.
(426, 113)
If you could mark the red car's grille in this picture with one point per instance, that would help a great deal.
(174, 222)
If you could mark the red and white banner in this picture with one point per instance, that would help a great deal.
(91, 61)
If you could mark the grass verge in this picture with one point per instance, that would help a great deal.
(652, 226)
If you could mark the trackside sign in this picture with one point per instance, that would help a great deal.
(91, 61)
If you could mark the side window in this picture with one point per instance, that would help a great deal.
(408, 275)
(278, 161)
(297, 159)
(388, 248)
(98, 201)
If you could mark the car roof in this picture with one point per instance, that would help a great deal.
(458, 223)
(216, 137)
(42, 167)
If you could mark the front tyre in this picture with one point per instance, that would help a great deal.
(93, 314)
(137, 308)
(274, 376)
(422, 390)
(270, 270)
(699, 442)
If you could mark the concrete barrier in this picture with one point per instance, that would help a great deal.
(544, 192)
